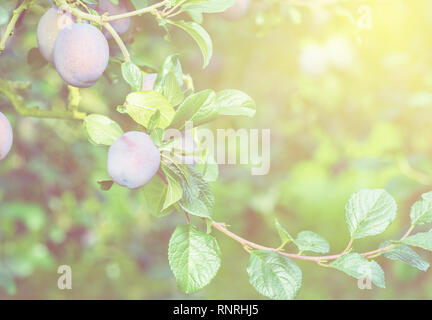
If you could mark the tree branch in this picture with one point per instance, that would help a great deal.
(7, 88)
(318, 259)
(26, 4)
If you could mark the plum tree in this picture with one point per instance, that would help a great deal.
(6, 136)
(81, 54)
(149, 81)
(133, 159)
(49, 26)
(238, 10)
(121, 25)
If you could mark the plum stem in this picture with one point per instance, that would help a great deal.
(119, 41)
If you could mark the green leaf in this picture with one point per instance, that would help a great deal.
(358, 267)
(208, 6)
(4, 16)
(91, 1)
(140, 4)
(197, 197)
(132, 75)
(209, 168)
(101, 129)
(7, 281)
(154, 193)
(157, 136)
(310, 241)
(369, 212)
(234, 103)
(421, 212)
(273, 275)
(195, 15)
(196, 107)
(170, 65)
(283, 233)
(422, 240)
(142, 105)
(174, 191)
(201, 37)
(171, 90)
(194, 258)
(405, 254)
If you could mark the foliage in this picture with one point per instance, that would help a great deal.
(333, 133)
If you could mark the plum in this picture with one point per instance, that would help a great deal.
(81, 54)
(121, 25)
(49, 26)
(149, 81)
(6, 136)
(237, 11)
(133, 159)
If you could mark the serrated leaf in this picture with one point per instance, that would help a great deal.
(283, 233)
(422, 240)
(171, 90)
(154, 193)
(196, 107)
(209, 168)
(405, 254)
(101, 129)
(273, 275)
(171, 64)
(310, 241)
(142, 105)
(132, 75)
(174, 192)
(234, 103)
(421, 212)
(358, 267)
(369, 212)
(200, 35)
(197, 197)
(194, 258)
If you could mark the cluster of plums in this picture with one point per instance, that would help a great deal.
(79, 51)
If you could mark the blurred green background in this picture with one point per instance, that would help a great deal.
(347, 108)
